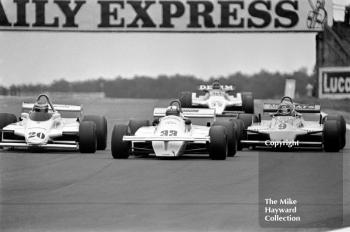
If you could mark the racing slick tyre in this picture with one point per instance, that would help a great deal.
(6, 119)
(332, 136)
(342, 122)
(240, 128)
(218, 143)
(120, 148)
(101, 130)
(87, 137)
(186, 99)
(134, 125)
(248, 103)
(231, 134)
(247, 119)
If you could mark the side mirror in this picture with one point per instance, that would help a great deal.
(55, 116)
(155, 122)
(24, 116)
(188, 122)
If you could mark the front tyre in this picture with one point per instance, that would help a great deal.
(87, 137)
(332, 136)
(342, 122)
(101, 130)
(120, 148)
(231, 134)
(218, 143)
(134, 125)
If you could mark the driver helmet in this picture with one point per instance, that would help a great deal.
(41, 107)
(173, 110)
(216, 85)
(286, 109)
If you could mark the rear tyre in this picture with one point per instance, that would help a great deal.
(240, 129)
(186, 99)
(134, 125)
(231, 134)
(218, 143)
(120, 148)
(101, 129)
(87, 137)
(342, 122)
(248, 103)
(247, 119)
(6, 119)
(331, 136)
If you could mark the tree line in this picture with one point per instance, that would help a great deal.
(263, 84)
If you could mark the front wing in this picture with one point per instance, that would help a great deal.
(262, 139)
(165, 139)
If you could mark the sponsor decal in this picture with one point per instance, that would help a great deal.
(165, 15)
(334, 82)
(317, 17)
(282, 143)
(210, 87)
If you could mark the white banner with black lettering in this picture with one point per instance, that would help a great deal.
(165, 15)
(334, 82)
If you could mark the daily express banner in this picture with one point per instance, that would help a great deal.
(334, 82)
(165, 15)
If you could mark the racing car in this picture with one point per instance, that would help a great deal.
(296, 125)
(42, 126)
(222, 98)
(172, 134)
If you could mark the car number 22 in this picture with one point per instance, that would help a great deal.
(168, 133)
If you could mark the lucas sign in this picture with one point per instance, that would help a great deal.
(334, 82)
(165, 15)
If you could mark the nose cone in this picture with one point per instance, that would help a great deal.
(219, 106)
(36, 137)
(167, 148)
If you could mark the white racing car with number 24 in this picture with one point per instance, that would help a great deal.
(171, 135)
(41, 126)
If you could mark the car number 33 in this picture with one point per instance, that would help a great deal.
(168, 133)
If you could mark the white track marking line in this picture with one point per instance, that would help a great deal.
(341, 230)
(348, 126)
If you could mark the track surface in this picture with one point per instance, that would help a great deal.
(65, 191)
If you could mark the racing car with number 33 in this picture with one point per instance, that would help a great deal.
(172, 135)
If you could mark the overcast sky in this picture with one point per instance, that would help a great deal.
(43, 57)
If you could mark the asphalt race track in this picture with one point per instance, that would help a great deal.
(69, 191)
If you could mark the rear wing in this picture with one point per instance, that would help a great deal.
(210, 87)
(301, 108)
(188, 113)
(58, 107)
